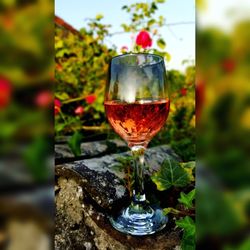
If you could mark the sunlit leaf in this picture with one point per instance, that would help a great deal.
(189, 167)
(125, 27)
(151, 22)
(99, 17)
(167, 56)
(161, 43)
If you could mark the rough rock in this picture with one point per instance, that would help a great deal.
(63, 152)
(88, 191)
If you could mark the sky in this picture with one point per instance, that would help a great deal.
(180, 39)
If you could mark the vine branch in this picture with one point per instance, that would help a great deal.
(166, 24)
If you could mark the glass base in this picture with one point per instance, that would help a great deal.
(137, 220)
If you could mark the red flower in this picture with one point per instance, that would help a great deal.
(143, 39)
(5, 92)
(57, 106)
(90, 99)
(228, 65)
(44, 99)
(183, 91)
(79, 110)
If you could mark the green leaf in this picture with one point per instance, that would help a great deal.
(75, 143)
(188, 242)
(161, 43)
(99, 17)
(151, 22)
(59, 127)
(62, 96)
(187, 199)
(189, 164)
(153, 7)
(164, 54)
(59, 44)
(125, 27)
(62, 52)
(187, 224)
(36, 156)
(160, 1)
(170, 174)
(161, 20)
(188, 238)
(167, 56)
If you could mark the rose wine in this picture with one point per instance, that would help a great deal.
(137, 122)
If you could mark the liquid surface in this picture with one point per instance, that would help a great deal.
(137, 122)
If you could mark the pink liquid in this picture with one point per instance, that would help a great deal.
(137, 122)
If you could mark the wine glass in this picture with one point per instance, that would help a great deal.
(137, 105)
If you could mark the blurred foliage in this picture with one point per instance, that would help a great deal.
(26, 123)
(26, 64)
(29, 61)
(223, 145)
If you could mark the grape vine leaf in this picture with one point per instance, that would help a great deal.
(188, 238)
(170, 174)
(187, 199)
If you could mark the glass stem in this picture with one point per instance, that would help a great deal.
(138, 187)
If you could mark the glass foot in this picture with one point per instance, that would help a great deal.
(139, 222)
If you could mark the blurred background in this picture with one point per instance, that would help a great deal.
(26, 124)
(223, 124)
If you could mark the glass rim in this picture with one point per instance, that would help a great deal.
(137, 54)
